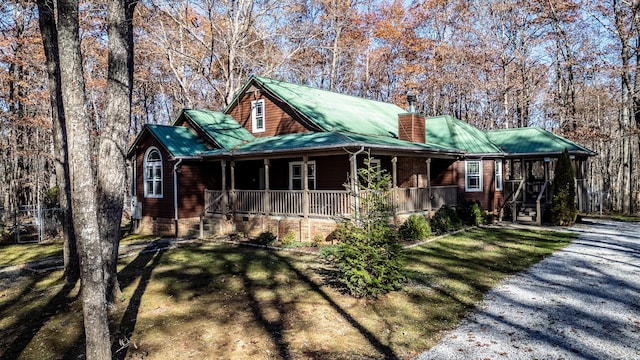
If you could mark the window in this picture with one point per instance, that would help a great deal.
(153, 173)
(257, 116)
(473, 175)
(498, 167)
(295, 175)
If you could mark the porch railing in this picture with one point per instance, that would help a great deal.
(326, 203)
(286, 202)
(329, 203)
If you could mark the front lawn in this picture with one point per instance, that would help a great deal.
(212, 300)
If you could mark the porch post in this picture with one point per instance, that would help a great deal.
(394, 172)
(233, 185)
(429, 185)
(394, 182)
(305, 186)
(225, 195)
(267, 200)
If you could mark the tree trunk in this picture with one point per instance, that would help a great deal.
(49, 35)
(83, 200)
(113, 137)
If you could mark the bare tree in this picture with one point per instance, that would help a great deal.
(113, 136)
(49, 34)
(83, 200)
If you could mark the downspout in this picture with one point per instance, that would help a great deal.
(175, 194)
(355, 183)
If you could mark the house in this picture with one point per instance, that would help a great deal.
(278, 158)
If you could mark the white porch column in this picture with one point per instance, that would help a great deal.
(429, 185)
(223, 186)
(305, 186)
(267, 200)
(232, 189)
(394, 172)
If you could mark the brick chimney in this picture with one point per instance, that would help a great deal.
(411, 126)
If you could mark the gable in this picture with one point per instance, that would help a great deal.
(218, 128)
(177, 141)
(279, 119)
(324, 110)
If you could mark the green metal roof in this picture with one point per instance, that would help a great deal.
(328, 140)
(534, 140)
(178, 140)
(335, 112)
(222, 128)
(449, 131)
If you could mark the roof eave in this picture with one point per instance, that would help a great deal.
(414, 150)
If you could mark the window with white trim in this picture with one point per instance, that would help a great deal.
(295, 175)
(153, 173)
(473, 175)
(257, 116)
(498, 169)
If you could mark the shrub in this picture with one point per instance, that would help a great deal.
(471, 213)
(288, 238)
(445, 220)
(415, 228)
(563, 201)
(265, 238)
(317, 241)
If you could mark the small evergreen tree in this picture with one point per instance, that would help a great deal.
(563, 202)
(369, 258)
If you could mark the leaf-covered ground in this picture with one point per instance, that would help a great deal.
(213, 300)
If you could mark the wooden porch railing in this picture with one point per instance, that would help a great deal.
(327, 203)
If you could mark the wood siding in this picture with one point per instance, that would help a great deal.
(488, 198)
(279, 118)
(155, 207)
(193, 179)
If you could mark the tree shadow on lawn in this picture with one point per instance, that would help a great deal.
(370, 337)
(270, 291)
(141, 267)
(27, 326)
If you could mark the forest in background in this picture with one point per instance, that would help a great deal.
(570, 66)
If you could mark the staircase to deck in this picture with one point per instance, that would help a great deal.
(527, 214)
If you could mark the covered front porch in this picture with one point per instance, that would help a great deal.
(312, 188)
(322, 203)
(529, 186)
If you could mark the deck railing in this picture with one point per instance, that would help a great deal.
(327, 203)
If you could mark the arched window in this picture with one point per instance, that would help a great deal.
(153, 173)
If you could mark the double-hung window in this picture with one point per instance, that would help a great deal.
(153, 173)
(257, 116)
(498, 169)
(473, 175)
(296, 176)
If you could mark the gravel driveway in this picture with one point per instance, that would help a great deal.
(581, 303)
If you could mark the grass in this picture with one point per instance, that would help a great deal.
(222, 301)
(15, 254)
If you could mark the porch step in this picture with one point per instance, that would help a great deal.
(527, 213)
